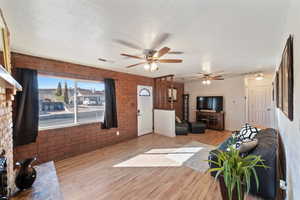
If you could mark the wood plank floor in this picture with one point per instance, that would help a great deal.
(91, 175)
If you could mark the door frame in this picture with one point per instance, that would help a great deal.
(137, 108)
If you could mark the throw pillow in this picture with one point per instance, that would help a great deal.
(178, 120)
(247, 132)
(247, 146)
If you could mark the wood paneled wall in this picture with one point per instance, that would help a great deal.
(161, 100)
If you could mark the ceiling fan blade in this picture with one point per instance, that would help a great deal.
(204, 74)
(132, 56)
(170, 60)
(128, 44)
(217, 78)
(163, 51)
(138, 55)
(176, 52)
(136, 64)
(159, 40)
(194, 79)
(218, 72)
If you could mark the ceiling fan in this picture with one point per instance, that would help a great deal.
(151, 57)
(206, 77)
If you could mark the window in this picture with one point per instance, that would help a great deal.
(65, 102)
(145, 92)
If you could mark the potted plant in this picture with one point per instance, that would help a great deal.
(235, 171)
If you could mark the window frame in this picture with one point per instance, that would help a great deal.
(76, 122)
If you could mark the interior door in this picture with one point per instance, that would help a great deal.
(144, 109)
(260, 106)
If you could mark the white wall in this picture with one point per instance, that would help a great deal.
(290, 131)
(233, 91)
(164, 122)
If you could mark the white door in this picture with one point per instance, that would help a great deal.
(144, 109)
(260, 106)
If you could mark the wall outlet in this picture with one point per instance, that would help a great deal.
(117, 133)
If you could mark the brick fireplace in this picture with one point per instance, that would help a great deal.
(8, 87)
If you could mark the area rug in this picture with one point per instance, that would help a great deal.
(191, 155)
(198, 160)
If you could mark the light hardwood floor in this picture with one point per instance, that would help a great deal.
(92, 175)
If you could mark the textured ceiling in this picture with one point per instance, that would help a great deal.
(230, 35)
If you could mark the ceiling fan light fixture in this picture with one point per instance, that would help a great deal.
(259, 76)
(206, 82)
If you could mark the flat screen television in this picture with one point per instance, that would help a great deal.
(213, 103)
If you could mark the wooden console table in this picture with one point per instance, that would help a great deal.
(213, 120)
(45, 187)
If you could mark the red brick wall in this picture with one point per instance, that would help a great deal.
(57, 144)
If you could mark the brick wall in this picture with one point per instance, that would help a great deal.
(60, 143)
(6, 142)
(57, 144)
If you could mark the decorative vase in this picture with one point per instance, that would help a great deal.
(26, 174)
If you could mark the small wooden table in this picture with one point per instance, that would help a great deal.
(45, 187)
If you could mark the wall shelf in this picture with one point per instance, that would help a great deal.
(7, 81)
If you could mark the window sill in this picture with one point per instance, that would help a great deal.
(68, 126)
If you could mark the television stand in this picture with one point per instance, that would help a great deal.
(213, 120)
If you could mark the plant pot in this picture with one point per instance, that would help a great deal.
(224, 192)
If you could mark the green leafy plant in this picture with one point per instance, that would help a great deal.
(66, 95)
(236, 170)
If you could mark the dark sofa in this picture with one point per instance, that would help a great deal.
(182, 128)
(267, 149)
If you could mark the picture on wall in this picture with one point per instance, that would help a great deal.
(285, 81)
(277, 89)
(174, 94)
(280, 87)
(273, 92)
